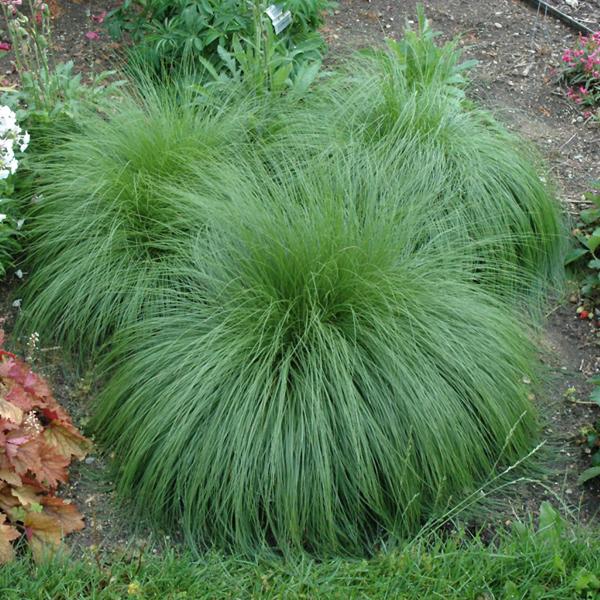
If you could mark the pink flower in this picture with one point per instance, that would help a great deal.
(583, 91)
(99, 18)
(587, 114)
(92, 35)
(566, 57)
(596, 74)
(5, 46)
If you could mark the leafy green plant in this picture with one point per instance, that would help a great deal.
(37, 442)
(174, 32)
(60, 95)
(260, 66)
(416, 62)
(586, 254)
(590, 441)
(322, 381)
(581, 70)
(49, 93)
(115, 202)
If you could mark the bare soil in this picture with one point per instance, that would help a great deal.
(586, 12)
(519, 50)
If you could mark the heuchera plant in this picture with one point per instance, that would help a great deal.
(581, 70)
(37, 443)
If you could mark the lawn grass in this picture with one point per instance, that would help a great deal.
(550, 561)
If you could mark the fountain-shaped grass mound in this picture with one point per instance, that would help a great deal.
(116, 202)
(326, 379)
(405, 107)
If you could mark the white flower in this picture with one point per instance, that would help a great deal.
(10, 132)
(20, 223)
(24, 141)
(6, 146)
(2, 217)
(8, 121)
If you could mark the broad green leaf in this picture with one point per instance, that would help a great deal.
(305, 77)
(558, 564)
(511, 591)
(550, 524)
(575, 254)
(592, 197)
(586, 581)
(589, 215)
(594, 240)
(588, 474)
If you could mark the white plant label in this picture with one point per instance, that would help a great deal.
(279, 18)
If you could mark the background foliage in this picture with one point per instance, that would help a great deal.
(175, 32)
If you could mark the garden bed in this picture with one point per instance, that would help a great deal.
(519, 52)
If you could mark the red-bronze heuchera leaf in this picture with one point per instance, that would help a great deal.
(37, 443)
(44, 533)
(7, 535)
(64, 513)
(66, 440)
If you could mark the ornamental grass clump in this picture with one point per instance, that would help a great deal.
(115, 203)
(405, 106)
(328, 376)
